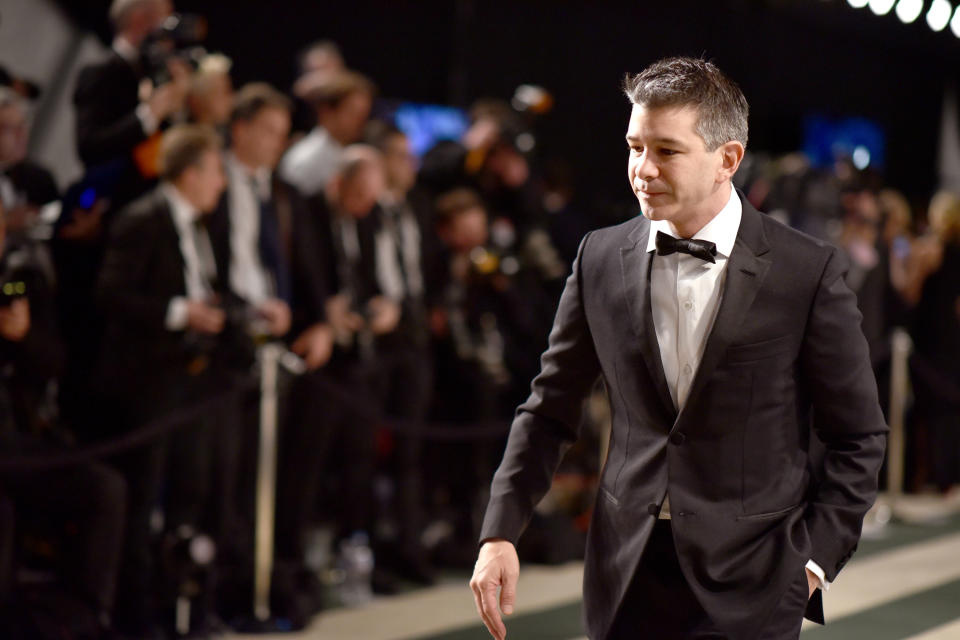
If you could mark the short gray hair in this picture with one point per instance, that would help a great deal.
(722, 109)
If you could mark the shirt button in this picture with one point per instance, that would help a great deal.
(687, 369)
(688, 305)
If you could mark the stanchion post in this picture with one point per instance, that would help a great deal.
(899, 388)
(266, 481)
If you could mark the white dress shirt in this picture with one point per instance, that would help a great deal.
(398, 253)
(199, 266)
(311, 162)
(245, 190)
(685, 294)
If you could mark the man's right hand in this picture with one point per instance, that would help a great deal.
(497, 567)
(204, 318)
(315, 346)
(168, 98)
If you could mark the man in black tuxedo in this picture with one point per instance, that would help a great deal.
(114, 120)
(722, 337)
(157, 291)
(111, 117)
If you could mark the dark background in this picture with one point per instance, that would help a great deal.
(791, 57)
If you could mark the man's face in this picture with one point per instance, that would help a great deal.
(352, 114)
(218, 99)
(204, 182)
(261, 141)
(360, 193)
(670, 170)
(400, 165)
(13, 136)
(466, 231)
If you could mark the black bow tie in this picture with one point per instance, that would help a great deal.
(703, 249)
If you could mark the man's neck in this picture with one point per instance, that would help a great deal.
(182, 199)
(714, 205)
(246, 163)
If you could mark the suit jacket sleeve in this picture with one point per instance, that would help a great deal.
(101, 138)
(847, 418)
(548, 422)
(133, 241)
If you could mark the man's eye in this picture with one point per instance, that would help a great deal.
(636, 150)
(667, 152)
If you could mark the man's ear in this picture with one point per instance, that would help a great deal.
(731, 154)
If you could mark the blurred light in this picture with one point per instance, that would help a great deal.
(881, 7)
(955, 23)
(858, 4)
(909, 10)
(861, 158)
(525, 142)
(939, 14)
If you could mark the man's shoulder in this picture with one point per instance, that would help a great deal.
(789, 243)
(147, 212)
(623, 234)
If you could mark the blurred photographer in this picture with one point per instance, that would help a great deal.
(119, 117)
(157, 290)
(210, 97)
(113, 115)
(80, 507)
(323, 422)
(341, 101)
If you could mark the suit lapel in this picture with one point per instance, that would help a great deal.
(635, 266)
(169, 227)
(746, 271)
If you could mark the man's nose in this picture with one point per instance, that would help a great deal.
(646, 169)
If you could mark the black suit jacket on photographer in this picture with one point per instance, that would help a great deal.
(108, 129)
(143, 269)
(28, 365)
(299, 247)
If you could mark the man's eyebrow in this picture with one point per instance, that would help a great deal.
(667, 141)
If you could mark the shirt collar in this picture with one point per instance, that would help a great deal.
(721, 230)
(260, 177)
(184, 213)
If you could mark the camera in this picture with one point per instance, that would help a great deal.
(11, 289)
(180, 37)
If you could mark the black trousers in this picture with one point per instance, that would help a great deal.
(320, 428)
(660, 605)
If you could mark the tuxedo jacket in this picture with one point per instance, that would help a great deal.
(107, 128)
(750, 506)
(106, 99)
(299, 247)
(143, 268)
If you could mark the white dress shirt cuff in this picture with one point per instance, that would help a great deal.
(176, 314)
(147, 120)
(821, 576)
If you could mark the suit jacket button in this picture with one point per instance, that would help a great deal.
(677, 438)
(653, 509)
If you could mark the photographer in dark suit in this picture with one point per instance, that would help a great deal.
(81, 506)
(112, 115)
(117, 134)
(722, 337)
(157, 292)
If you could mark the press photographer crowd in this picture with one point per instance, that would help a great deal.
(413, 292)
